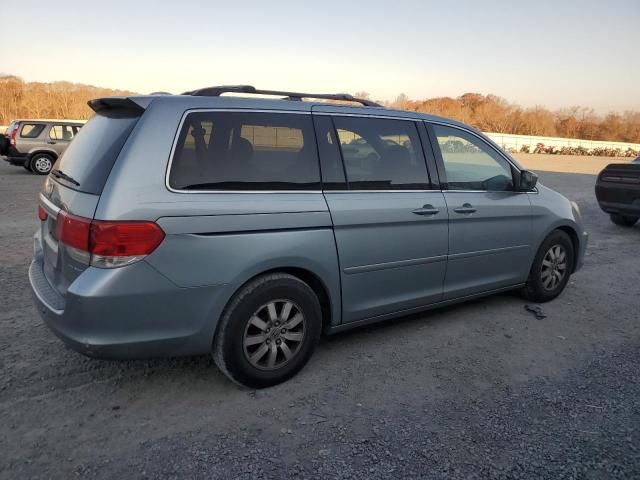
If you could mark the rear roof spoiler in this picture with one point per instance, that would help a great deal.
(121, 103)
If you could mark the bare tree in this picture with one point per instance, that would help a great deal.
(19, 99)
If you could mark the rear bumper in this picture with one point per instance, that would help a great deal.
(622, 199)
(126, 313)
(13, 160)
(631, 209)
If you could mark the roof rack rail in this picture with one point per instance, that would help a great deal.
(219, 90)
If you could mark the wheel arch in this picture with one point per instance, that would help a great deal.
(315, 282)
(573, 236)
(51, 153)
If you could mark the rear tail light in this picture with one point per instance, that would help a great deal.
(12, 139)
(73, 231)
(118, 243)
(42, 213)
(107, 244)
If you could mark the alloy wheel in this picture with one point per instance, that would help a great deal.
(554, 267)
(274, 334)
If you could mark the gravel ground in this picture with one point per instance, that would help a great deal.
(480, 390)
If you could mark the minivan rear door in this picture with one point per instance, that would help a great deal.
(75, 184)
(390, 220)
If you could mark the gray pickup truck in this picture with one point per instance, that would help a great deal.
(37, 144)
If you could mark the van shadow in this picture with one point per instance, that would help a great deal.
(333, 352)
(432, 318)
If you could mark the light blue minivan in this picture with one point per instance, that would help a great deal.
(247, 226)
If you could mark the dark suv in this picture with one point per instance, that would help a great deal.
(618, 192)
(37, 144)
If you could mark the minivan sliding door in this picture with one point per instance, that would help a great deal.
(390, 226)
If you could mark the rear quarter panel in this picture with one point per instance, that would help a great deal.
(220, 238)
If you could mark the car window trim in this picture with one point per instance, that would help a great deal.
(322, 158)
(370, 115)
(432, 163)
(218, 191)
(382, 191)
(440, 161)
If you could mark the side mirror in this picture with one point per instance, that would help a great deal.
(527, 181)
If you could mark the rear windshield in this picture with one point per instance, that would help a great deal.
(93, 151)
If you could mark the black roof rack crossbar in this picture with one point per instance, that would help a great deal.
(219, 90)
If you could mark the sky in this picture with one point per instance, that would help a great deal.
(552, 53)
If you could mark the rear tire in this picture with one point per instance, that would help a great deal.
(268, 331)
(623, 220)
(41, 163)
(551, 268)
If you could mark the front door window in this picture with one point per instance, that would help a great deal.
(471, 164)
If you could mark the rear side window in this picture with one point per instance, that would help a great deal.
(90, 157)
(31, 130)
(381, 154)
(245, 151)
(61, 132)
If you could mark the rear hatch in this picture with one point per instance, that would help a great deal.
(619, 183)
(621, 173)
(70, 195)
(6, 141)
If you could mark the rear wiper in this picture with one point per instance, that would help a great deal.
(60, 174)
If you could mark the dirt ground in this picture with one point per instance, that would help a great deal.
(567, 163)
(479, 390)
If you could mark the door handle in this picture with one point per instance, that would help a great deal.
(51, 143)
(465, 208)
(426, 210)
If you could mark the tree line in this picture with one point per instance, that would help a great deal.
(488, 113)
(63, 100)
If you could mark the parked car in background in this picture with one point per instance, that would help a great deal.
(618, 192)
(36, 144)
(245, 227)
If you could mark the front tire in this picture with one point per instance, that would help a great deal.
(623, 220)
(41, 163)
(268, 331)
(551, 268)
